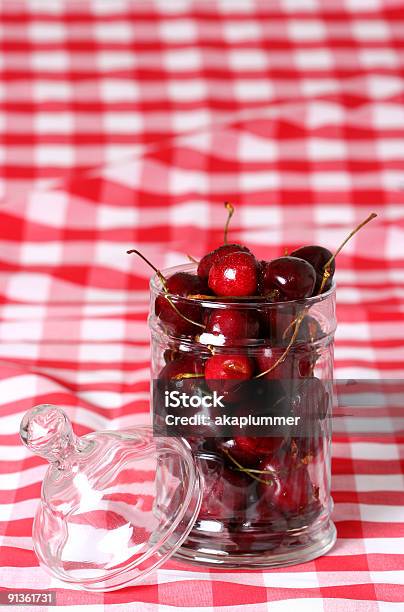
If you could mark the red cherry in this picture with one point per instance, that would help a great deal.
(311, 402)
(323, 261)
(233, 324)
(309, 449)
(186, 364)
(224, 373)
(268, 356)
(225, 491)
(235, 274)
(180, 318)
(184, 283)
(249, 451)
(181, 284)
(229, 367)
(285, 487)
(213, 257)
(317, 256)
(310, 330)
(171, 355)
(288, 278)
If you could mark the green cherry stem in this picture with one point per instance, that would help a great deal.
(246, 470)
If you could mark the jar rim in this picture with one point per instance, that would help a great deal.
(156, 287)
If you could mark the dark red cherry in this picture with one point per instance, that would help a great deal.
(184, 283)
(317, 256)
(286, 487)
(181, 284)
(266, 359)
(311, 402)
(248, 451)
(225, 491)
(310, 330)
(288, 278)
(213, 257)
(225, 372)
(306, 352)
(187, 364)
(171, 354)
(229, 367)
(184, 376)
(323, 260)
(235, 274)
(233, 324)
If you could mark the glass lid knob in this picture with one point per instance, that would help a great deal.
(47, 431)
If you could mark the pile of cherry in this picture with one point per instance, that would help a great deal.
(249, 480)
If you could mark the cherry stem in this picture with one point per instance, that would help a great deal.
(241, 298)
(187, 375)
(289, 327)
(173, 306)
(326, 273)
(192, 258)
(163, 281)
(246, 470)
(298, 322)
(230, 210)
(149, 263)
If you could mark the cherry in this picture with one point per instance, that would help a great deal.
(323, 260)
(268, 356)
(311, 402)
(233, 324)
(280, 328)
(288, 278)
(235, 274)
(182, 367)
(184, 284)
(213, 257)
(309, 449)
(298, 363)
(225, 491)
(171, 354)
(183, 318)
(224, 373)
(310, 330)
(248, 451)
(286, 487)
(184, 375)
(317, 256)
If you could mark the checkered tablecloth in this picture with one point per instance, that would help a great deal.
(128, 124)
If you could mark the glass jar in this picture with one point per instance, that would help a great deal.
(266, 484)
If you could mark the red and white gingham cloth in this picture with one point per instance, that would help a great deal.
(129, 123)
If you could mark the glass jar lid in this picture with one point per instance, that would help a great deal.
(115, 505)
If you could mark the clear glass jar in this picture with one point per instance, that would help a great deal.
(266, 499)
